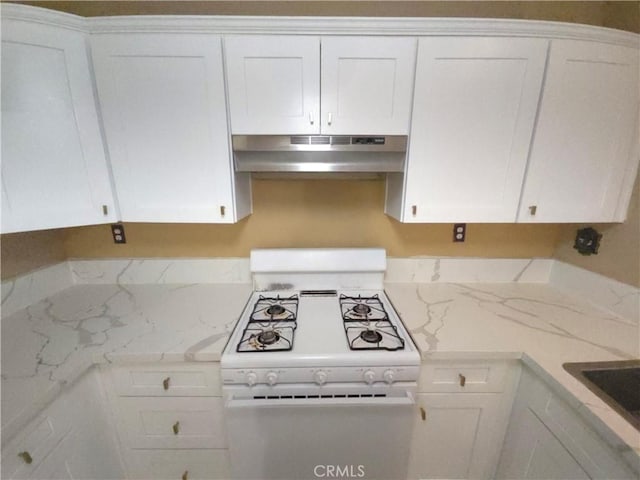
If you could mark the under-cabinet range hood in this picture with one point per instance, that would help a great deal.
(319, 153)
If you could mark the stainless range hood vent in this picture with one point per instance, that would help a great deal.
(319, 153)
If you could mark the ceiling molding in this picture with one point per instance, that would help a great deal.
(407, 26)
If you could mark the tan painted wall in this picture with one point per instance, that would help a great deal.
(311, 213)
(569, 11)
(619, 253)
(23, 252)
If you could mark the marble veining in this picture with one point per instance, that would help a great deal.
(161, 270)
(468, 270)
(58, 322)
(22, 291)
(620, 298)
(52, 342)
(550, 326)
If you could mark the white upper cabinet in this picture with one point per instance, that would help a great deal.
(163, 105)
(367, 85)
(584, 152)
(474, 110)
(54, 170)
(273, 84)
(280, 84)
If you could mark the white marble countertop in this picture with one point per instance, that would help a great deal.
(511, 319)
(53, 341)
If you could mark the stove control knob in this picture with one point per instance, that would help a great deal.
(369, 377)
(251, 378)
(272, 378)
(320, 377)
(389, 376)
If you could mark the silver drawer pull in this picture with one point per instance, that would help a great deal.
(176, 428)
(165, 383)
(414, 209)
(463, 379)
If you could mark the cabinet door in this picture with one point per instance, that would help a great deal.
(54, 170)
(163, 104)
(367, 85)
(456, 436)
(273, 84)
(473, 115)
(581, 166)
(547, 438)
(533, 452)
(175, 422)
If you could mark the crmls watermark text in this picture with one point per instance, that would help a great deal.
(338, 471)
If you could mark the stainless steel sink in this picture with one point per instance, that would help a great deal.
(616, 383)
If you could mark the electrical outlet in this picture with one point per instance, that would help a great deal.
(459, 232)
(587, 241)
(117, 230)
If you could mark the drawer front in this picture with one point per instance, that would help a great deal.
(176, 380)
(173, 464)
(37, 439)
(460, 377)
(153, 422)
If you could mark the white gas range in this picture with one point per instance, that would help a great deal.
(321, 361)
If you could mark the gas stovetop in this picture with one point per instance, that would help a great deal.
(306, 331)
(271, 326)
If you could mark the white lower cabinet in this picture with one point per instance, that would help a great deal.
(70, 439)
(170, 420)
(547, 439)
(176, 422)
(461, 418)
(180, 464)
(536, 453)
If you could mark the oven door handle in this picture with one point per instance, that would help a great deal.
(278, 401)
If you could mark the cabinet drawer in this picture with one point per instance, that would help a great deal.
(153, 422)
(460, 377)
(189, 380)
(38, 439)
(172, 464)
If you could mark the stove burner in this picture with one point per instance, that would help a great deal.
(268, 337)
(361, 309)
(371, 336)
(275, 310)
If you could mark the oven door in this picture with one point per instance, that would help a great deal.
(332, 436)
